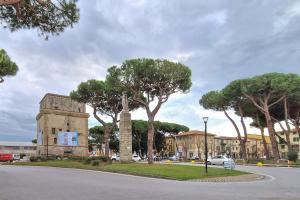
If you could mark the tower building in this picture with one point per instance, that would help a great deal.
(62, 127)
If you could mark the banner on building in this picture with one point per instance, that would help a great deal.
(40, 138)
(67, 138)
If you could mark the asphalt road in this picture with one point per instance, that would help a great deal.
(42, 183)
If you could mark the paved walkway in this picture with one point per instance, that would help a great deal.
(44, 183)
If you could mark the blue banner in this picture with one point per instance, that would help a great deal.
(67, 138)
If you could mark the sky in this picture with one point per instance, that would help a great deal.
(220, 41)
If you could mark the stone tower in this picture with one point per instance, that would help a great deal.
(125, 132)
(62, 127)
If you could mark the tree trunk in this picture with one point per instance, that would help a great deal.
(9, 2)
(242, 144)
(154, 144)
(198, 149)
(107, 131)
(271, 130)
(297, 128)
(139, 139)
(262, 131)
(150, 139)
(287, 133)
(245, 131)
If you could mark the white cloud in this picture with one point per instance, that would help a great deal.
(219, 41)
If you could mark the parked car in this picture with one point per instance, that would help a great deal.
(16, 156)
(6, 157)
(157, 158)
(136, 158)
(115, 157)
(194, 158)
(218, 160)
(173, 158)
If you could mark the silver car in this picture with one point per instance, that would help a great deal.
(218, 160)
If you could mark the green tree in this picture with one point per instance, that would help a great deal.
(34, 141)
(266, 91)
(139, 136)
(294, 110)
(260, 123)
(96, 137)
(105, 101)
(7, 67)
(217, 101)
(151, 81)
(161, 129)
(238, 102)
(48, 16)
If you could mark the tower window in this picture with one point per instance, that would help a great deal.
(78, 109)
(68, 124)
(55, 140)
(53, 131)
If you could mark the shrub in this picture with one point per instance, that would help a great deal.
(292, 156)
(87, 161)
(33, 159)
(95, 162)
(77, 158)
(22, 155)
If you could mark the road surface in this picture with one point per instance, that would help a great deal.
(43, 183)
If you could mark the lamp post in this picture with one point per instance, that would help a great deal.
(205, 119)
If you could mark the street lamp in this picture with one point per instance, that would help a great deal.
(205, 119)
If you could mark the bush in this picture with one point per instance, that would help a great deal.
(95, 162)
(33, 159)
(76, 158)
(292, 156)
(87, 161)
(41, 158)
(101, 158)
(22, 155)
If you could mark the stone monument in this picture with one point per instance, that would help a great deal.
(125, 132)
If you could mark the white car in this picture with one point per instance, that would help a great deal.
(218, 160)
(115, 157)
(136, 158)
(16, 156)
(173, 158)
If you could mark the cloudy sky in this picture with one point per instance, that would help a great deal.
(219, 40)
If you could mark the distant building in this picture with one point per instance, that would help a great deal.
(27, 148)
(294, 140)
(191, 144)
(62, 127)
(224, 146)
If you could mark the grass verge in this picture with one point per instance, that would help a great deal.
(168, 171)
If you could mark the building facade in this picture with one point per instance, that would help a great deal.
(283, 147)
(224, 145)
(191, 144)
(62, 127)
(22, 148)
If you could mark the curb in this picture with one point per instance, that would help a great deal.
(231, 179)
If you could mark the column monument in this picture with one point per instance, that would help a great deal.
(125, 132)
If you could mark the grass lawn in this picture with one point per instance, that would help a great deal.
(168, 171)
